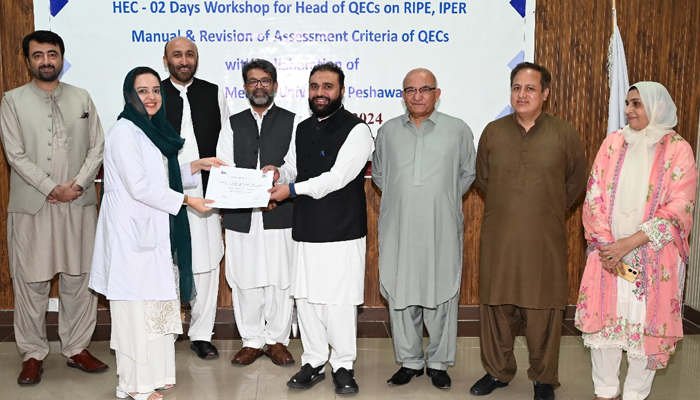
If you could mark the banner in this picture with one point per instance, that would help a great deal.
(471, 46)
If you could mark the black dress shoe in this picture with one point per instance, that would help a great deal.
(439, 377)
(344, 381)
(307, 377)
(404, 375)
(543, 391)
(486, 385)
(205, 350)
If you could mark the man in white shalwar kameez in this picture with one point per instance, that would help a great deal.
(324, 172)
(259, 241)
(197, 109)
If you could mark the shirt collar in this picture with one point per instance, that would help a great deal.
(40, 92)
(258, 116)
(433, 118)
(521, 128)
(181, 88)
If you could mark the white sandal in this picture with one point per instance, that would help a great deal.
(121, 394)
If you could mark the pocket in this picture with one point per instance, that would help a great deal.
(144, 233)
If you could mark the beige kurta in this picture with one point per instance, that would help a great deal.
(529, 180)
(59, 238)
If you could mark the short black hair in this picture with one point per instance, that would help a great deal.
(43, 37)
(259, 63)
(545, 76)
(143, 71)
(332, 67)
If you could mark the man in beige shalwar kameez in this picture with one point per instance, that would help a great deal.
(53, 141)
(531, 168)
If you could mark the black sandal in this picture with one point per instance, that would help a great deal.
(204, 350)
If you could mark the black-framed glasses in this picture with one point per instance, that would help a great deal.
(264, 82)
(411, 91)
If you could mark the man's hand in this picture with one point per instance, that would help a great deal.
(270, 206)
(78, 188)
(65, 192)
(279, 192)
(276, 175)
(51, 200)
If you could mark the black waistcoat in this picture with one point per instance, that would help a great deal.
(206, 115)
(340, 215)
(272, 143)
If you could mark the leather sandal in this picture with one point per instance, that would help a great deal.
(205, 350)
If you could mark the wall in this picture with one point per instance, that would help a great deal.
(571, 40)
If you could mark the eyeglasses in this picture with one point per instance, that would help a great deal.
(264, 82)
(411, 91)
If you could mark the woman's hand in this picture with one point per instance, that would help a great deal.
(206, 164)
(612, 254)
(199, 204)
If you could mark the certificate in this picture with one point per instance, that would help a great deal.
(232, 187)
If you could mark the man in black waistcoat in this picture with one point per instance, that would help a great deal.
(197, 109)
(324, 172)
(259, 242)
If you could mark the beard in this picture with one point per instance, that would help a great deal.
(184, 75)
(328, 109)
(49, 73)
(260, 97)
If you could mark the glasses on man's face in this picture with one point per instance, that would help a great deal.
(411, 91)
(264, 82)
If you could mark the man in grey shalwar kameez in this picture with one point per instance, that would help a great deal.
(424, 163)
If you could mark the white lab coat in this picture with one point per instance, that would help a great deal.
(132, 259)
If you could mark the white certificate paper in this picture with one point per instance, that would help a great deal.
(232, 187)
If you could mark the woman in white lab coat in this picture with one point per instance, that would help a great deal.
(142, 260)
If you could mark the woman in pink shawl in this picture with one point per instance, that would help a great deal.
(638, 211)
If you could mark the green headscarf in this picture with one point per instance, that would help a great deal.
(169, 142)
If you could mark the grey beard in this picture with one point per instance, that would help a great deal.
(264, 100)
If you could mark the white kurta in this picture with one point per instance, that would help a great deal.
(205, 228)
(330, 273)
(260, 257)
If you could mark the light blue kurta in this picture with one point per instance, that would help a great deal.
(423, 173)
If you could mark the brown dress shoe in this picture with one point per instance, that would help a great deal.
(246, 356)
(31, 372)
(279, 354)
(86, 362)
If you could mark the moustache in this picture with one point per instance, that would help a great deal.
(328, 99)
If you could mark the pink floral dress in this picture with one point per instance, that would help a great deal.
(643, 317)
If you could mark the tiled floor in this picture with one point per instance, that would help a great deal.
(218, 379)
